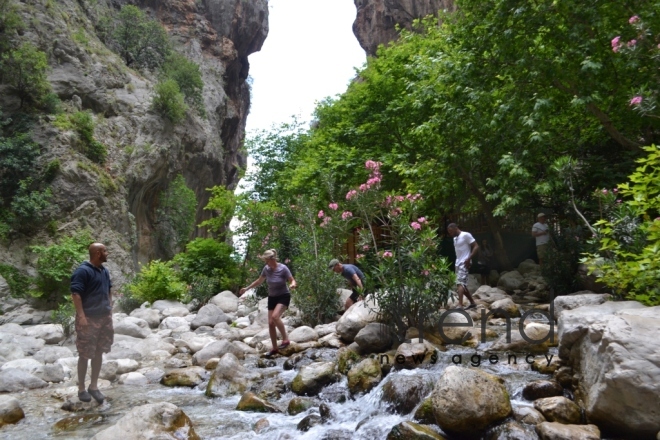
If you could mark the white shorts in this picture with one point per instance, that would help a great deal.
(461, 275)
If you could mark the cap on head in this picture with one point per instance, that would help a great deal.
(540, 215)
(270, 254)
(333, 263)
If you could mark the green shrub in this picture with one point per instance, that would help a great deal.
(83, 123)
(96, 152)
(127, 302)
(141, 41)
(65, 315)
(56, 264)
(25, 69)
(202, 289)
(188, 77)
(17, 156)
(175, 216)
(51, 104)
(169, 101)
(19, 284)
(52, 168)
(30, 207)
(206, 257)
(560, 265)
(157, 280)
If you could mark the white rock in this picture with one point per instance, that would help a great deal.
(216, 349)
(209, 315)
(163, 304)
(10, 351)
(510, 281)
(155, 421)
(13, 329)
(325, 329)
(173, 322)
(356, 318)
(131, 326)
(175, 312)
(51, 333)
(13, 380)
(570, 302)
(133, 378)
(489, 294)
(126, 365)
(152, 316)
(153, 374)
(226, 301)
(28, 365)
(50, 354)
(303, 334)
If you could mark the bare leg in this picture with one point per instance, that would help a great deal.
(275, 323)
(464, 290)
(82, 372)
(347, 305)
(460, 295)
(97, 361)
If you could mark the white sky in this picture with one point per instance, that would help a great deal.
(310, 53)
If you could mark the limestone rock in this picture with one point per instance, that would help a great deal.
(133, 378)
(507, 306)
(184, 377)
(413, 354)
(152, 316)
(51, 373)
(216, 349)
(51, 333)
(324, 329)
(467, 401)
(374, 338)
(303, 334)
(558, 409)
(13, 380)
(355, 319)
(51, 354)
(560, 431)
(13, 329)
(132, 326)
(163, 304)
(27, 365)
(153, 374)
(413, 431)
(10, 410)
(312, 378)
(209, 315)
(489, 294)
(403, 393)
(570, 302)
(511, 430)
(511, 281)
(173, 322)
(527, 415)
(250, 402)
(230, 377)
(542, 388)
(154, 421)
(529, 266)
(226, 301)
(364, 376)
(175, 312)
(298, 405)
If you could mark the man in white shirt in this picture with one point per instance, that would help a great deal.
(542, 234)
(466, 248)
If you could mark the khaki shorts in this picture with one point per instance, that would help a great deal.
(94, 338)
(542, 250)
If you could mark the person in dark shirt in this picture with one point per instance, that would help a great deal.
(90, 291)
(354, 276)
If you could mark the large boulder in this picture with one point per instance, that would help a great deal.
(615, 355)
(193, 341)
(467, 401)
(209, 315)
(14, 329)
(356, 318)
(558, 409)
(529, 267)
(510, 281)
(252, 403)
(413, 431)
(560, 431)
(132, 326)
(13, 380)
(539, 389)
(10, 411)
(534, 331)
(489, 294)
(152, 316)
(230, 377)
(185, 377)
(51, 354)
(27, 365)
(364, 376)
(226, 301)
(403, 393)
(312, 378)
(154, 421)
(163, 304)
(503, 307)
(174, 322)
(303, 334)
(51, 333)
(414, 354)
(374, 338)
(570, 302)
(216, 349)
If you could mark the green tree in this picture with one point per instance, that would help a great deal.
(157, 280)
(206, 257)
(189, 78)
(141, 41)
(222, 204)
(175, 216)
(25, 70)
(17, 155)
(10, 22)
(169, 101)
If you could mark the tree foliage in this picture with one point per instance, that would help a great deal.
(25, 69)
(188, 77)
(169, 101)
(175, 216)
(141, 41)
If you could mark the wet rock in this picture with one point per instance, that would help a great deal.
(53, 373)
(150, 422)
(10, 410)
(544, 367)
(250, 402)
(503, 307)
(346, 358)
(332, 340)
(153, 374)
(230, 377)
(576, 300)
(558, 409)
(325, 412)
(133, 378)
(355, 319)
(534, 331)
(424, 413)
(216, 349)
(298, 405)
(364, 376)
(74, 405)
(560, 431)
(309, 422)
(403, 393)
(184, 377)
(323, 329)
(542, 388)
(413, 431)
(312, 378)
(152, 316)
(303, 334)
(527, 415)
(290, 363)
(374, 338)
(267, 363)
(209, 315)
(510, 281)
(271, 389)
(77, 422)
(226, 301)
(457, 333)
(13, 380)
(261, 424)
(131, 326)
(511, 431)
(51, 354)
(466, 401)
(163, 304)
(50, 333)
(564, 375)
(413, 355)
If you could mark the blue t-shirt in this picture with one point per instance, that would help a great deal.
(276, 279)
(93, 285)
(349, 270)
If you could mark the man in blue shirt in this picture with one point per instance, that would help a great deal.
(354, 276)
(90, 291)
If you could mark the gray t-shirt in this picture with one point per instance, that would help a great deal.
(541, 227)
(349, 270)
(276, 279)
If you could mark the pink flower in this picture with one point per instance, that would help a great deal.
(618, 201)
(373, 181)
(416, 226)
(352, 193)
(325, 221)
(333, 206)
(395, 212)
(631, 43)
(422, 220)
(400, 198)
(359, 256)
(372, 165)
(616, 43)
(633, 19)
(387, 254)
(615, 190)
(287, 261)
(365, 247)
(636, 100)
(364, 187)
(321, 214)
(346, 215)
(425, 272)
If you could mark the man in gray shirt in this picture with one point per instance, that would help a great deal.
(354, 276)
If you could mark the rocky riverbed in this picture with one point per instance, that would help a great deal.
(173, 373)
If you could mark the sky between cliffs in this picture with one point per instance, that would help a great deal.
(310, 53)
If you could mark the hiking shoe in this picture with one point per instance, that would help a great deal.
(471, 306)
(271, 353)
(84, 396)
(284, 344)
(96, 394)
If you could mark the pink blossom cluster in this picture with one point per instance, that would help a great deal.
(351, 194)
(366, 247)
(414, 197)
(373, 165)
(333, 206)
(321, 214)
(636, 100)
(359, 256)
(422, 220)
(387, 254)
(325, 221)
(634, 19)
(346, 215)
(416, 226)
(616, 44)
(426, 273)
(395, 212)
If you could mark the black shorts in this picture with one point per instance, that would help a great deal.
(273, 301)
(354, 296)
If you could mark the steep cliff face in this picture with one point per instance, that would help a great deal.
(376, 20)
(118, 201)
